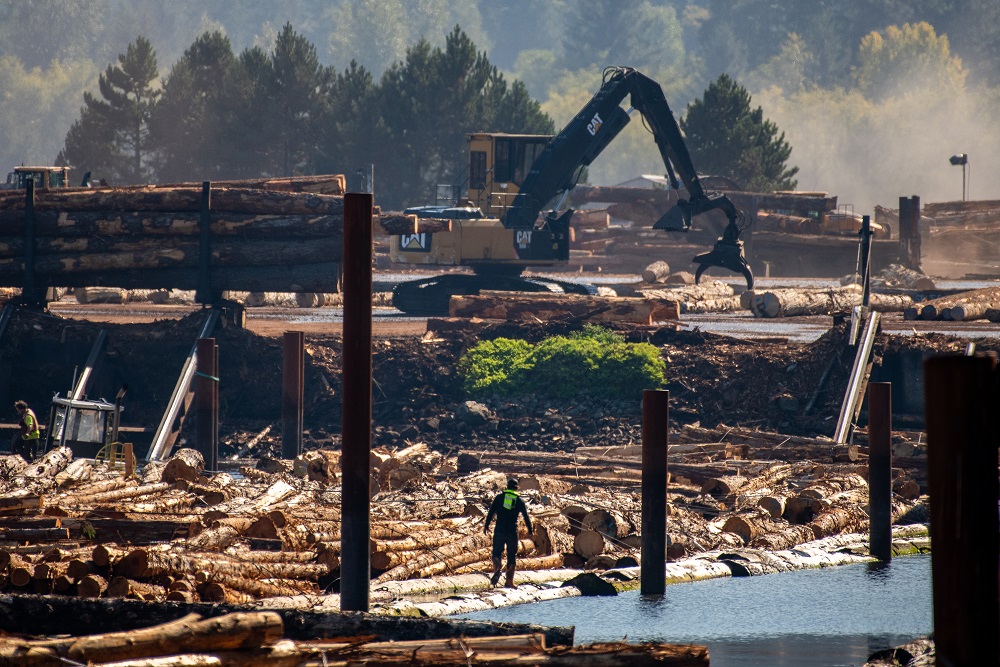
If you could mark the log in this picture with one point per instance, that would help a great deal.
(186, 464)
(47, 616)
(91, 586)
(588, 543)
(152, 254)
(89, 295)
(792, 302)
(531, 306)
(52, 463)
(401, 223)
(607, 522)
(188, 634)
(656, 272)
(171, 200)
(898, 274)
(317, 277)
(83, 232)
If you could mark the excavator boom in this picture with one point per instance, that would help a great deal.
(584, 138)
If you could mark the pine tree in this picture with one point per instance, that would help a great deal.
(111, 137)
(727, 138)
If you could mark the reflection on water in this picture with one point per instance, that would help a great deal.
(822, 618)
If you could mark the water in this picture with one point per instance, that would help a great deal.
(812, 618)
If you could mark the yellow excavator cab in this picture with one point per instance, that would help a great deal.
(44, 177)
(498, 165)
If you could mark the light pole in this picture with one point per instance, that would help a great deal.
(961, 159)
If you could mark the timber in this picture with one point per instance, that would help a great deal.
(529, 305)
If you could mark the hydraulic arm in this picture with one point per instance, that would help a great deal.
(558, 167)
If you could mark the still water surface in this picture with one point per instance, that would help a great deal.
(815, 618)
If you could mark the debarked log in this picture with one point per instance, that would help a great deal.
(78, 231)
(791, 302)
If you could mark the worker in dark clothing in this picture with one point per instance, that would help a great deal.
(25, 440)
(505, 508)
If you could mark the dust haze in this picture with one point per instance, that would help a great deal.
(872, 154)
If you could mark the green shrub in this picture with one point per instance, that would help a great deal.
(485, 368)
(594, 362)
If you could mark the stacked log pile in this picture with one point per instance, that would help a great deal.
(980, 304)
(71, 527)
(262, 239)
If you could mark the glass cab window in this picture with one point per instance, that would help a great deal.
(81, 425)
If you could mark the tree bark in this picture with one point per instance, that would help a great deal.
(526, 305)
(179, 199)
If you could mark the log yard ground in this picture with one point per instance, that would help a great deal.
(757, 485)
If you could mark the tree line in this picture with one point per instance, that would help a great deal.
(219, 115)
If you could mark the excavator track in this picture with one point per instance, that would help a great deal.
(429, 297)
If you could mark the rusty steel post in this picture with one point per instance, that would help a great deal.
(292, 393)
(653, 558)
(963, 436)
(355, 563)
(207, 402)
(880, 469)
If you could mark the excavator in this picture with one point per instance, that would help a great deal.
(501, 229)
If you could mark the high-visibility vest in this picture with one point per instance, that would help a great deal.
(509, 499)
(31, 422)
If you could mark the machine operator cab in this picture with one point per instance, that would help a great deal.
(43, 177)
(498, 165)
(85, 426)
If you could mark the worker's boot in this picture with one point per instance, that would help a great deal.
(510, 577)
(495, 579)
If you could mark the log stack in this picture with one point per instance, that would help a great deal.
(175, 533)
(980, 304)
(261, 239)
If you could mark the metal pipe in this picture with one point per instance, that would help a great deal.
(97, 349)
(292, 393)
(163, 439)
(880, 469)
(855, 387)
(355, 563)
(655, 417)
(960, 399)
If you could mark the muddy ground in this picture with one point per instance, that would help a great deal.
(417, 394)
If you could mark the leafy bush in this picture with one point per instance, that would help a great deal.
(486, 367)
(594, 362)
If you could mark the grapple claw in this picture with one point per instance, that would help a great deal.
(727, 254)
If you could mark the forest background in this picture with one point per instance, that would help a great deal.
(873, 96)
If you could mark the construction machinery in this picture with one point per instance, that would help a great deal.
(500, 229)
(44, 177)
